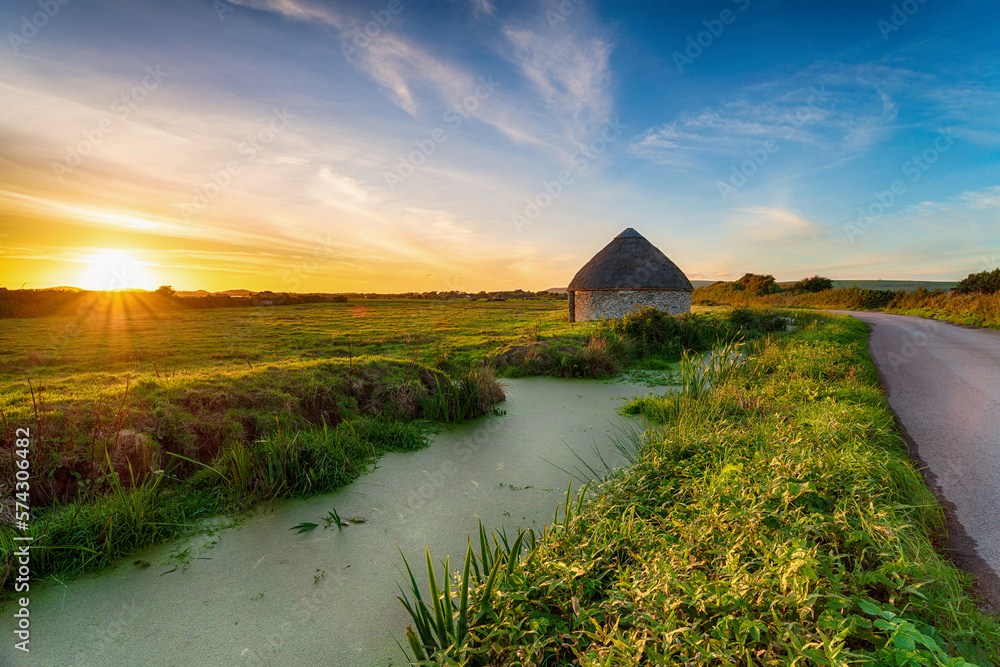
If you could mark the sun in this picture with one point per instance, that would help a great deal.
(113, 269)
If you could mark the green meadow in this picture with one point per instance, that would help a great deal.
(143, 423)
(770, 516)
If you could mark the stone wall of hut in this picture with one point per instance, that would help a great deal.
(595, 304)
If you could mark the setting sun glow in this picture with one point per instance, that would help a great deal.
(115, 270)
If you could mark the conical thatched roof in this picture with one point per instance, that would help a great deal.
(629, 262)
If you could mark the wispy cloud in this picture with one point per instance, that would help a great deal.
(568, 64)
(401, 67)
(836, 110)
(298, 10)
(345, 185)
(484, 8)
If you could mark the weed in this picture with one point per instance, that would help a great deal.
(304, 527)
(475, 393)
(333, 519)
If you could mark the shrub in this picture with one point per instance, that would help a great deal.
(752, 322)
(652, 331)
(984, 282)
(813, 284)
(758, 284)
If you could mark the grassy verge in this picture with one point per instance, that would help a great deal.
(770, 518)
(978, 310)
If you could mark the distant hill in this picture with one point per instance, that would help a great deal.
(893, 285)
(198, 293)
(556, 290)
(896, 285)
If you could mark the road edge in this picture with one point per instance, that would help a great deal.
(959, 548)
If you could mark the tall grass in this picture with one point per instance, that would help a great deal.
(647, 336)
(90, 533)
(443, 624)
(475, 393)
(785, 525)
(688, 404)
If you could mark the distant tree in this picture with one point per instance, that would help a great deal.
(813, 284)
(758, 284)
(984, 282)
(166, 290)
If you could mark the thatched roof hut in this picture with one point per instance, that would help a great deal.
(630, 272)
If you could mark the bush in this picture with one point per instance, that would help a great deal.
(984, 282)
(752, 323)
(812, 284)
(758, 284)
(652, 331)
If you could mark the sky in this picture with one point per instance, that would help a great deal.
(400, 145)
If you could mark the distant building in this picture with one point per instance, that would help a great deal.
(629, 273)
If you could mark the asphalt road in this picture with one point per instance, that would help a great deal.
(943, 382)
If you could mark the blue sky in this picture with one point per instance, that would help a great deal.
(394, 145)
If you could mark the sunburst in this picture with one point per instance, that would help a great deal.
(115, 269)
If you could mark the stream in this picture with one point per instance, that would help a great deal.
(262, 594)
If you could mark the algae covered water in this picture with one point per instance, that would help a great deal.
(262, 594)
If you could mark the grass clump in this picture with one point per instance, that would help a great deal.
(646, 337)
(475, 393)
(771, 518)
(93, 532)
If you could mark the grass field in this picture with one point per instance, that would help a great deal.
(142, 423)
(145, 424)
(137, 417)
(77, 378)
(109, 340)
